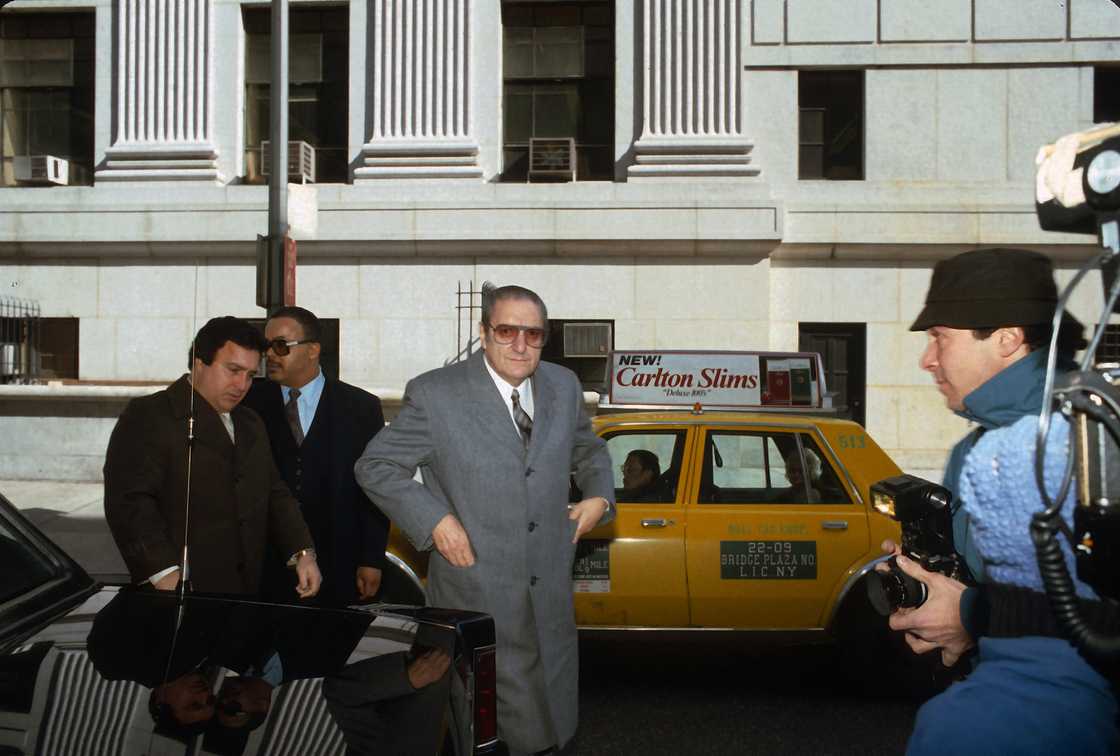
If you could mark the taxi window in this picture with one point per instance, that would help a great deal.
(647, 465)
(748, 467)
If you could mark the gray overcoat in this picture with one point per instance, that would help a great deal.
(455, 427)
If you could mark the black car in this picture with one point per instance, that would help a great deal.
(88, 668)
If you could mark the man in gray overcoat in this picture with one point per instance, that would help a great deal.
(496, 438)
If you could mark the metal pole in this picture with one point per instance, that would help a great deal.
(278, 181)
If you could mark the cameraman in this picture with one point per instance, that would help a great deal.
(988, 317)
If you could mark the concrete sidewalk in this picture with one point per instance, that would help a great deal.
(73, 516)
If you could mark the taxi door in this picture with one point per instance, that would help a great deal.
(631, 572)
(772, 530)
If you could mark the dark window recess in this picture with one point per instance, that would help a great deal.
(830, 125)
(318, 91)
(328, 356)
(558, 69)
(843, 349)
(1106, 94)
(58, 348)
(1109, 348)
(582, 346)
(46, 98)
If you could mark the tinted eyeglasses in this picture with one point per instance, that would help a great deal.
(281, 348)
(507, 334)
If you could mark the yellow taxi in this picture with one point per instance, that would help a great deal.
(741, 503)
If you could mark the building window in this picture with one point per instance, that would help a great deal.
(318, 91)
(583, 347)
(46, 98)
(1106, 94)
(830, 125)
(558, 72)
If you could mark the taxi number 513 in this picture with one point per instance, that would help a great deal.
(853, 441)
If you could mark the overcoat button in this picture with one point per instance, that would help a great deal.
(532, 526)
(533, 580)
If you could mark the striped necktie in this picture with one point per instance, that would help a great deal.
(521, 418)
(291, 411)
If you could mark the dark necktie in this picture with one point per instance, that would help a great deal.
(521, 418)
(291, 411)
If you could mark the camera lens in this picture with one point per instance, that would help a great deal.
(893, 590)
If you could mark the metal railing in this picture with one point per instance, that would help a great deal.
(466, 337)
(19, 340)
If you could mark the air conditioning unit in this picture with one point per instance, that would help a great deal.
(552, 159)
(587, 339)
(42, 169)
(301, 162)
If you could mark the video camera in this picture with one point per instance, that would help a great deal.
(1078, 191)
(924, 510)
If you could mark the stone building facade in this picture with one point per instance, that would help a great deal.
(749, 174)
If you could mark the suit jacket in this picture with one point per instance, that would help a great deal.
(347, 528)
(455, 427)
(238, 503)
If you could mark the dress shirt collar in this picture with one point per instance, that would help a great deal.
(308, 401)
(524, 390)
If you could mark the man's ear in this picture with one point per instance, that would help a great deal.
(1009, 340)
(316, 348)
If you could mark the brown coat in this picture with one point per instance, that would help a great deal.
(239, 504)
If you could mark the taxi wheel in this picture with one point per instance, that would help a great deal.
(398, 588)
(876, 659)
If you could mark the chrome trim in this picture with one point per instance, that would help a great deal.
(855, 578)
(813, 631)
(409, 573)
(655, 522)
(844, 470)
(834, 524)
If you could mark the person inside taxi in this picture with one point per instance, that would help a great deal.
(988, 317)
(796, 493)
(641, 477)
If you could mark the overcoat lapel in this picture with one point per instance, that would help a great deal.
(489, 410)
(544, 405)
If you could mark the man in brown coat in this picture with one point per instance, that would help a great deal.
(239, 506)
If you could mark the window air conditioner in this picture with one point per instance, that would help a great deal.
(301, 162)
(587, 339)
(552, 159)
(41, 169)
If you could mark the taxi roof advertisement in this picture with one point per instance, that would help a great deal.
(714, 379)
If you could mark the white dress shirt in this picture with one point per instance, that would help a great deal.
(524, 393)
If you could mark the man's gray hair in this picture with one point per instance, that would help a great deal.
(492, 294)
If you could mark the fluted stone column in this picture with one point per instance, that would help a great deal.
(691, 91)
(419, 69)
(163, 93)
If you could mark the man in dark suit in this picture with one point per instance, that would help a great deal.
(319, 426)
(497, 438)
(239, 506)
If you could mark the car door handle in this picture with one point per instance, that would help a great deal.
(835, 524)
(656, 522)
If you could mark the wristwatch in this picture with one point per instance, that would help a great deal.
(293, 560)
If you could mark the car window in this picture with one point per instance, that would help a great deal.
(647, 465)
(827, 483)
(756, 467)
(23, 568)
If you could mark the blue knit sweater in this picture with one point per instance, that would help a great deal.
(999, 494)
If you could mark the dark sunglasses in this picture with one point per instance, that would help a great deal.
(507, 334)
(281, 347)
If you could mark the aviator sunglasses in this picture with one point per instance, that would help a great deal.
(282, 348)
(506, 334)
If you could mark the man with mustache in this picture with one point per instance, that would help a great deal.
(239, 505)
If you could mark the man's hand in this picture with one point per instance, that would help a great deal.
(368, 580)
(937, 622)
(452, 541)
(168, 582)
(307, 569)
(428, 668)
(588, 512)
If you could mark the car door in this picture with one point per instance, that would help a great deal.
(632, 572)
(771, 529)
(40, 583)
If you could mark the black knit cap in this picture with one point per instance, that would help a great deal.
(991, 288)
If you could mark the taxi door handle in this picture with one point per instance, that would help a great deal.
(835, 524)
(658, 522)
